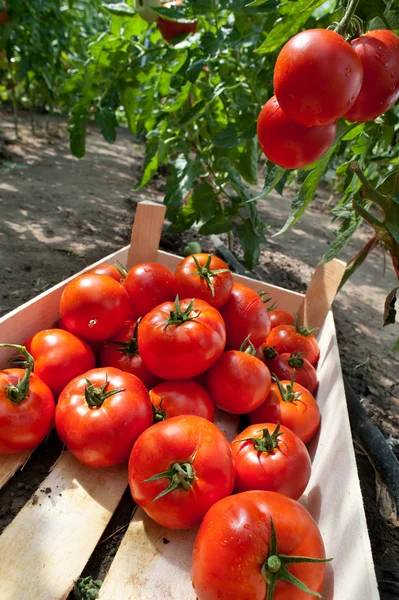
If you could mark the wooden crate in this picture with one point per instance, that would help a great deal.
(47, 545)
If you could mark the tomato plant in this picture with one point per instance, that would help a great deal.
(294, 338)
(59, 357)
(291, 405)
(206, 277)
(175, 398)
(94, 307)
(147, 285)
(248, 547)
(182, 339)
(178, 469)
(26, 407)
(286, 365)
(101, 413)
(270, 457)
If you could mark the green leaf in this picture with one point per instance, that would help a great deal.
(248, 161)
(342, 235)
(194, 70)
(249, 242)
(106, 120)
(204, 201)
(273, 176)
(227, 138)
(120, 9)
(389, 308)
(184, 173)
(77, 131)
(154, 151)
(224, 164)
(220, 223)
(353, 133)
(173, 14)
(395, 347)
(389, 186)
(367, 10)
(129, 98)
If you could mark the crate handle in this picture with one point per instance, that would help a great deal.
(321, 292)
(146, 233)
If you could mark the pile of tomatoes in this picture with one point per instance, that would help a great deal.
(135, 369)
(320, 78)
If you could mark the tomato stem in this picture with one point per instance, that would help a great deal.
(368, 191)
(269, 352)
(206, 273)
(17, 393)
(268, 442)
(287, 393)
(247, 346)
(349, 13)
(130, 348)
(177, 316)
(158, 413)
(266, 299)
(96, 396)
(181, 475)
(121, 270)
(296, 360)
(303, 330)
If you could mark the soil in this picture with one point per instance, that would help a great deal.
(59, 214)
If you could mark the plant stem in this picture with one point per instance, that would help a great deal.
(15, 108)
(346, 19)
(368, 190)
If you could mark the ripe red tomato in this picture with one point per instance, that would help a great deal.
(250, 536)
(175, 398)
(122, 352)
(271, 457)
(59, 357)
(206, 277)
(291, 405)
(239, 382)
(294, 338)
(284, 366)
(280, 317)
(111, 271)
(173, 29)
(26, 407)
(4, 17)
(289, 144)
(94, 307)
(245, 314)
(101, 413)
(317, 77)
(378, 52)
(148, 285)
(179, 468)
(182, 339)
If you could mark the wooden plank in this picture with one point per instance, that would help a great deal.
(146, 232)
(10, 463)
(46, 546)
(321, 293)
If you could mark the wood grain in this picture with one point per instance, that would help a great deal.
(146, 233)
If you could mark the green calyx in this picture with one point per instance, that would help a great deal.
(158, 413)
(303, 330)
(181, 476)
(247, 346)
(121, 270)
(296, 360)
(287, 392)
(266, 300)
(206, 273)
(268, 442)
(130, 348)
(95, 396)
(87, 588)
(269, 352)
(178, 316)
(275, 567)
(17, 393)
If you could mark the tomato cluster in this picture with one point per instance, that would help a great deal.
(136, 371)
(320, 78)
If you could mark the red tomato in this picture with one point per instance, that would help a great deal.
(239, 382)
(317, 77)
(236, 542)
(206, 277)
(148, 285)
(289, 144)
(26, 407)
(378, 51)
(111, 271)
(181, 340)
(59, 357)
(294, 338)
(284, 366)
(270, 457)
(100, 415)
(194, 460)
(245, 314)
(291, 405)
(175, 398)
(94, 307)
(173, 29)
(122, 352)
(4, 17)
(280, 317)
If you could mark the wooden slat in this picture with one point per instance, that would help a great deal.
(146, 233)
(46, 546)
(10, 463)
(321, 293)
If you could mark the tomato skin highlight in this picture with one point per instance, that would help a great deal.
(177, 398)
(280, 317)
(245, 314)
(59, 357)
(184, 350)
(94, 307)
(286, 339)
(302, 416)
(286, 469)
(238, 383)
(233, 542)
(191, 285)
(181, 439)
(23, 426)
(148, 285)
(317, 77)
(378, 51)
(103, 436)
(289, 144)
(114, 356)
